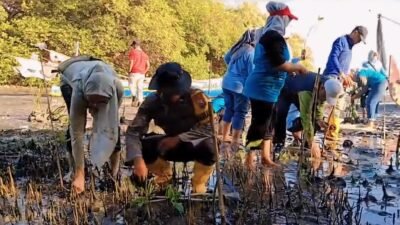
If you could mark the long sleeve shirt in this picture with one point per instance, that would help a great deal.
(303, 86)
(240, 66)
(367, 78)
(105, 119)
(340, 56)
(177, 119)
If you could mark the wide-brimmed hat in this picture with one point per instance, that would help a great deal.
(171, 76)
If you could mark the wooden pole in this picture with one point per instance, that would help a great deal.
(77, 48)
(217, 166)
(46, 91)
(312, 109)
(384, 111)
(50, 114)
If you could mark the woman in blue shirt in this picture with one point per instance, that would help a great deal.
(271, 65)
(373, 63)
(240, 65)
(374, 82)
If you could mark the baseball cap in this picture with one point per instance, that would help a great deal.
(363, 31)
(333, 90)
(279, 9)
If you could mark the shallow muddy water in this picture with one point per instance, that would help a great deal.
(360, 188)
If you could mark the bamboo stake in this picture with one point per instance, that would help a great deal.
(46, 91)
(217, 166)
(384, 112)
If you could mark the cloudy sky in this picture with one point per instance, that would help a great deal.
(340, 17)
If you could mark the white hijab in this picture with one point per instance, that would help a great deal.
(374, 61)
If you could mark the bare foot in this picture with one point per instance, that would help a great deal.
(79, 182)
(266, 161)
(315, 151)
(316, 164)
(250, 161)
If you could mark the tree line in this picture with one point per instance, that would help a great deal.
(194, 33)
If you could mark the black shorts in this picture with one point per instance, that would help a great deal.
(261, 126)
(203, 152)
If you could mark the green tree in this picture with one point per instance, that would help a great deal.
(196, 35)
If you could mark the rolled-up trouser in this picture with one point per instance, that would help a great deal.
(203, 152)
(375, 95)
(282, 110)
(236, 107)
(261, 126)
(66, 91)
(136, 83)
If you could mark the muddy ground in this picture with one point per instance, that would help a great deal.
(361, 187)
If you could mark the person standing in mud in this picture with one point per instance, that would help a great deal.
(182, 112)
(240, 64)
(139, 65)
(374, 64)
(263, 86)
(91, 84)
(338, 67)
(376, 82)
(298, 90)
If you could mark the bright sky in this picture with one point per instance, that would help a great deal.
(340, 17)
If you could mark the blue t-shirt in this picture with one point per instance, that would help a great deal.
(265, 82)
(371, 66)
(240, 66)
(373, 77)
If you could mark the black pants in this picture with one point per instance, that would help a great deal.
(282, 110)
(261, 126)
(66, 91)
(204, 152)
(363, 100)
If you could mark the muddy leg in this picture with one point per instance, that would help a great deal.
(115, 158)
(71, 165)
(251, 158)
(266, 154)
(79, 180)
